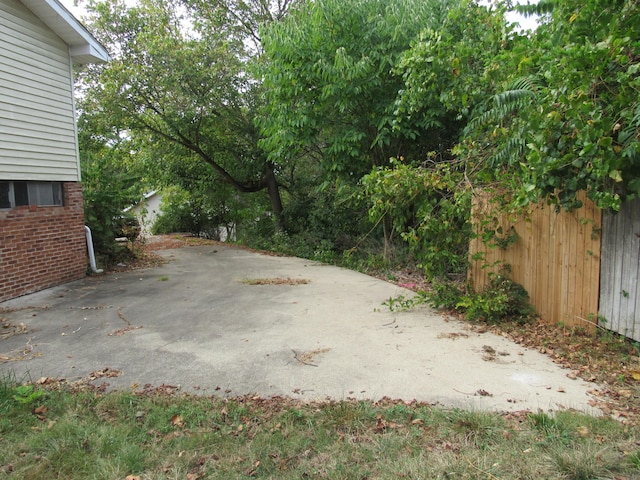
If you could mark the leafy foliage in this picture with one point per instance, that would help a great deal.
(110, 182)
(427, 209)
(180, 91)
(502, 299)
(449, 70)
(330, 86)
(240, 19)
(579, 126)
(27, 394)
(193, 201)
(446, 72)
(310, 101)
(184, 211)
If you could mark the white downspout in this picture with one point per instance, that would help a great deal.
(92, 256)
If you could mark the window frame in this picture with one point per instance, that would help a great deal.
(34, 193)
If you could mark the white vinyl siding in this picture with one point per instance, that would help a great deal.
(37, 121)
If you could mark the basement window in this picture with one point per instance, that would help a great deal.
(18, 193)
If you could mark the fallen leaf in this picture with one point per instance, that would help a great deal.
(251, 472)
(488, 349)
(583, 431)
(451, 447)
(381, 424)
(177, 421)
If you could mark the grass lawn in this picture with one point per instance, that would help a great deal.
(56, 430)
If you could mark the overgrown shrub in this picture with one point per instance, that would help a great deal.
(195, 213)
(425, 207)
(106, 191)
(445, 294)
(329, 220)
(501, 299)
(111, 181)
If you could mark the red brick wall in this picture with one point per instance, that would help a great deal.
(41, 247)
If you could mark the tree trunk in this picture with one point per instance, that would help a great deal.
(274, 195)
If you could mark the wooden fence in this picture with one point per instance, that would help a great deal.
(620, 271)
(556, 258)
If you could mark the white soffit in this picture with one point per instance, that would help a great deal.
(83, 46)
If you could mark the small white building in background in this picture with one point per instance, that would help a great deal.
(147, 211)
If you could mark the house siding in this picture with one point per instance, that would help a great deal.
(38, 138)
(41, 247)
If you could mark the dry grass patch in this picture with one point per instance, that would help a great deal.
(307, 358)
(275, 281)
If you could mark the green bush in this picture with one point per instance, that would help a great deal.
(106, 194)
(110, 183)
(501, 299)
(426, 208)
(193, 212)
(445, 294)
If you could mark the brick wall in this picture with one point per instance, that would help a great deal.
(41, 247)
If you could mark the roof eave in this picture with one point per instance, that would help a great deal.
(83, 47)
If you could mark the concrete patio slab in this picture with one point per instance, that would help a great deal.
(198, 322)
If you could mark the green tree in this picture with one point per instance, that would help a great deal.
(183, 91)
(448, 71)
(110, 182)
(240, 19)
(331, 87)
(193, 201)
(568, 116)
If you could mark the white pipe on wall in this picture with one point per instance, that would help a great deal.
(92, 255)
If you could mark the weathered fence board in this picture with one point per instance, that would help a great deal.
(556, 258)
(620, 271)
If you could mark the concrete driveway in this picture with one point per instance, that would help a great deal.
(199, 322)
